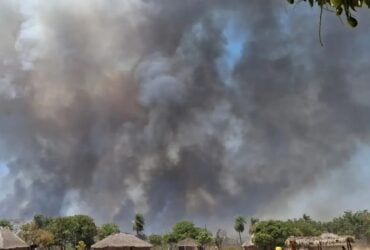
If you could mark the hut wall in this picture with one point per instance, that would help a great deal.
(250, 247)
(20, 248)
(335, 247)
(115, 248)
(140, 248)
(254, 247)
(126, 248)
(187, 248)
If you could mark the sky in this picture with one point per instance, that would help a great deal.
(3, 169)
(198, 110)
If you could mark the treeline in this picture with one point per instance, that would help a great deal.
(80, 231)
(274, 232)
(267, 234)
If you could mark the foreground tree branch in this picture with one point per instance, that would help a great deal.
(340, 6)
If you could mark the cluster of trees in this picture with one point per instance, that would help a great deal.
(356, 224)
(6, 223)
(78, 231)
(187, 229)
(180, 231)
(272, 233)
(267, 234)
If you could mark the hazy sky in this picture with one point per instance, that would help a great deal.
(193, 109)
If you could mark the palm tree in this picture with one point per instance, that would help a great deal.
(254, 221)
(138, 224)
(239, 226)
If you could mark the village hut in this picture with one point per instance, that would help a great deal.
(122, 241)
(249, 246)
(10, 241)
(189, 244)
(323, 242)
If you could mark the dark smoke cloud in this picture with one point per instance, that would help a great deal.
(115, 107)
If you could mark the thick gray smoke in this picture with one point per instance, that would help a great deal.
(177, 109)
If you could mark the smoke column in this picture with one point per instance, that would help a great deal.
(176, 109)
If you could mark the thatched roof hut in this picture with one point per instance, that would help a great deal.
(188, 244)
(324, 241)
(122, 241)
(8, 240)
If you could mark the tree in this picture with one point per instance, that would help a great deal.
(138, 224)
(305, 226)
(185, 229)
(155, 239)
(6, 223)
(27, 232)
(271, 233)
(263, 240)
(44, 238)
(169, 239)
(72, 229)
(220, 238)
(357, 224)
(34, 235)
(204, 237)
(61, 228)
(106, 230)
(239, 226)
(42, 221)
(84, 229)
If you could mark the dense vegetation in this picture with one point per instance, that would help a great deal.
(274, 232)
(186, 229)
(80, 231)
(106, 230)
(5, 223)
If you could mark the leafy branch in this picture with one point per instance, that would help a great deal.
(340, 6)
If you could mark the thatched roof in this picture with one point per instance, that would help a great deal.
(121, 240)
(8, 240)
(324, 239)
(188, 242)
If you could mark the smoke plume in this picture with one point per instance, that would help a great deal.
(176, 109)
